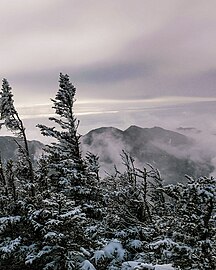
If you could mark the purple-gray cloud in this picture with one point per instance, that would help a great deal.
(158, 47)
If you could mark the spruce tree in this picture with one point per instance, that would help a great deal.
(66, 183)
(12, 121)
(187, 227)
(15, 232)
(66, 166)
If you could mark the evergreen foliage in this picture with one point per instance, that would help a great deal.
(66, 166)
(11, 120)
(69, 218)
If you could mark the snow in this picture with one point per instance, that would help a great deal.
(53, 235)
(71, 213)
(10, 246)
(163, 242)
(121, 233)
(4, 221)
(54, 222)
(10, 219)
(164, 267)
(86, 265)
(132, 265)
(99, 255)
(135, 243)
(85, 252)
(114, 248)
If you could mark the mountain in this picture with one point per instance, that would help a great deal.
(8, 148)
(168, 151)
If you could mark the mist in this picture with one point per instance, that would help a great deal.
(194, 120)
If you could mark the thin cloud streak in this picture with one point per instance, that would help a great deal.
(88, 107)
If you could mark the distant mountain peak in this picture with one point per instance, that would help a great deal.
(167, 150)
(133, 128)
(104, 129)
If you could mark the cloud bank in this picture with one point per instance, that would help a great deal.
(111, 49)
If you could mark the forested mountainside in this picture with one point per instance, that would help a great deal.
(166, 150)
(60, 214)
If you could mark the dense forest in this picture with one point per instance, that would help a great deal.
(60, 214)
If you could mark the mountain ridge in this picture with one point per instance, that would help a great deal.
(8, 147)
(168, 151)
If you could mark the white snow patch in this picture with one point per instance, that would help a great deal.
(114, 248)
(86, 265)
(133, 265)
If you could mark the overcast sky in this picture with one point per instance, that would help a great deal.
(139, 54)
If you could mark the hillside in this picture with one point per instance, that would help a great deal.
(8, 148)
(166, 150)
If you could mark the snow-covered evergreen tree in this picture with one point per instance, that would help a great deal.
(65, 162)
(67, 171)
(92, 162)
(10, 119)
(185, 230)
(193, 227)
(129, 223)
(3, 183)
(69, 197)
(77, 221)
